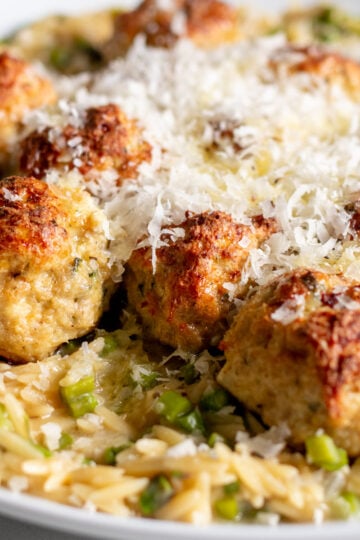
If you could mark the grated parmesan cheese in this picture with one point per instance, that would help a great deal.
(290, 310)
(226, 134)
(187, 447)
(18, 483)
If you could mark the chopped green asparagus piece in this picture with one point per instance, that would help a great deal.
(79, 397)
(344, 506)
(83, 386)
(227, 508)
(179, 411)
(86, 403)
(155, 495)
(191, 422)
(173, 405)
(323, 452)
(45, 451)
(353, 501)
(215, 400)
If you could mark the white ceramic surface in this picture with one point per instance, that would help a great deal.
(80, 522)
(33, 510)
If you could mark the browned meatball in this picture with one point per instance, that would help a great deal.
(53, 265)
(206, 22)
(105, 140)
(293, 355)
(354, 222)
(21, 89)
(328, 66)
(185, 303)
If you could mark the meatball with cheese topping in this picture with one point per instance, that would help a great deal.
(293, 355)
(207, 23)
(331, 67)
(185, 301)
(53, 266)
(21, 89)
(103, 140)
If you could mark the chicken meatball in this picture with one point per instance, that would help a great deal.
(185, 301)
(206, 22)
(53, 266)
(21, 89)
(293, 355)
(331, 67)
(353, 210)
(104, 140)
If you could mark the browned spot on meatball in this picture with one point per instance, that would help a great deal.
(185, 302)
(354, 219)
(107, 139)
(31, 217)
(210, 22)
(21, 89)
(293, 355)
(328, 66)
(207, 22)
(336, 339)
(38, 154)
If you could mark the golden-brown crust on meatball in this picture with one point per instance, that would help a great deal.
(53, 266)
(206, 22)
(210, 22)
(185, 302)
(21, 89)
(106, 140)
(302, 334)
(31, 218)
(328, 66)
(38, 154)
(354, 220)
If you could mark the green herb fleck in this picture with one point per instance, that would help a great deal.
(65, 440)
(215, 400)
(76, 263)
(60, 58)
(45, 451)
(232, 488)
(189, 373)
(110, 453)
(215, 438)
(110, 345)
(149, 380)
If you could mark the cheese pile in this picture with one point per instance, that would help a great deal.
(228, 133)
